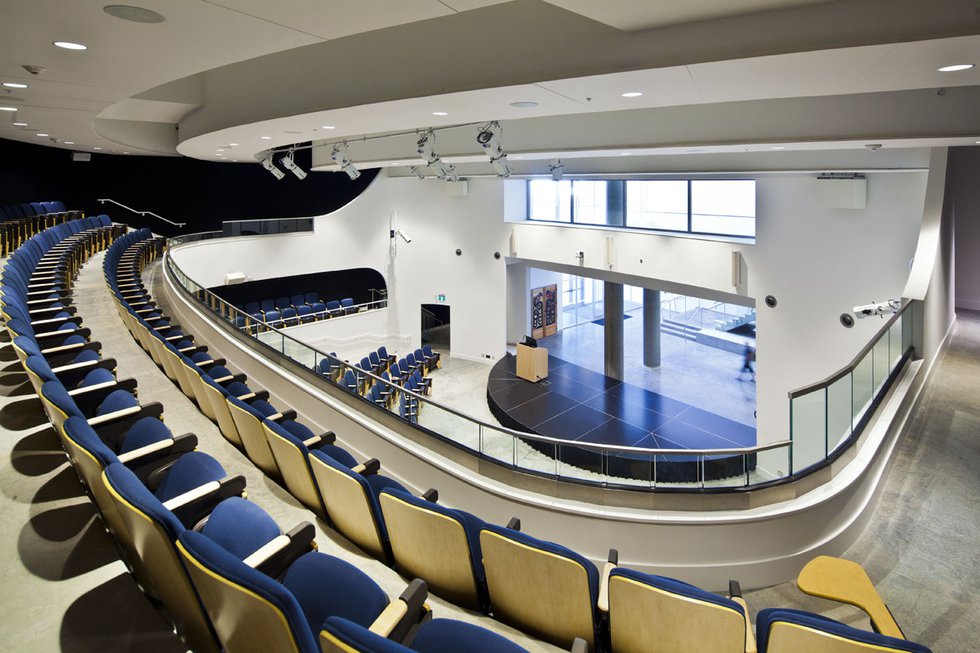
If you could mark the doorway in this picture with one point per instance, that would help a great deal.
(436, 326)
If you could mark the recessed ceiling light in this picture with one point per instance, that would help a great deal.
(14, 85)
(778, 147)
(41, 134)
(524, 105)
(8, 108)
(632, 94)
(96, 148)
(439, 113)
(20, 124)
(68, 45)
(69, 142)
(234, 160)
(956, 67)
(328, 127)
(625, 154)
(232, 144)
(125, 152)
(133, 14)
(266, 138)
(220, 149)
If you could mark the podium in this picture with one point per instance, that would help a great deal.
(532, 363)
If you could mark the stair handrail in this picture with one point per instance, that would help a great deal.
(138, 212)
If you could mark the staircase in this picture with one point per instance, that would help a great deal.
(735, 321)
(679, 329)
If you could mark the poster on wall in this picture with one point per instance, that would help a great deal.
(550, 310)
(537, 313)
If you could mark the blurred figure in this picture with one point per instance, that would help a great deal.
(748, 357)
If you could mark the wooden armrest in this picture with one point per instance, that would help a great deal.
(136, 454)
(603, 601)
(368, 467)
(750, 645)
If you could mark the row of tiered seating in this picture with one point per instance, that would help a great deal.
(256, 602)
(539, 586)
(18, 222)
(297, 309)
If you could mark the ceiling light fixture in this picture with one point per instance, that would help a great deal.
(956, 67)
(328, 127)
(524, 105)
(489, 138)
(625, 154)
(289, 164)
(15, 85)
(133, 14)
(271, 167)
(96, 148)
(778, 147)
(419, 171)
(232, 144)
(632, 94)
(439, 113)
(266, 138)
(41, 134)
(8, 108)
(341, 156)
(426, 148)
(20, 124)
(68, 45)
(69, 142)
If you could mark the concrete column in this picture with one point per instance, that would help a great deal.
(613, 318)
(651, 327)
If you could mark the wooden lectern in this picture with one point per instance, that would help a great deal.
(532, 363)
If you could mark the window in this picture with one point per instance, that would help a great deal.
(550, 200)
(657, 204)
(718, 207)
(724, 206)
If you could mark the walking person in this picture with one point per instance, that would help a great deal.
(748, 357)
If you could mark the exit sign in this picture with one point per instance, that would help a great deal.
(440, 297)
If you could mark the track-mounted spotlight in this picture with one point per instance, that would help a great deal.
(426, 148)
(557, 169)
(341, 157)
(288, 163)
(271, 167)
(489, 139)
(419, 171)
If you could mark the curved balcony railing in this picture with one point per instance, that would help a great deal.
(634, 468)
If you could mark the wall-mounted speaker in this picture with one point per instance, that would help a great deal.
(513, 242)
(610, 252)
(736, 268)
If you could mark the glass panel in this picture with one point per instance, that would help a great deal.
(881, 366)
(907, 329)
(769, 465)
(895, 339)
(862, 387)
(723, 206)
(677, 470)
(726, 471)
(809, 428)
(451, 426)
(839, 412)
(497, 444)
(589, 198)
(624, 468)
(550, 200)
(657, 204)
(581, 463)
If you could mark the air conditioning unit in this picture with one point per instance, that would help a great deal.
(235, 277)
(842, 191)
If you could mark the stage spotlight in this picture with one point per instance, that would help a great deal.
(271, 167)
(557, 169)
(500, 166)
(444, 170)
(341, 157)
(489, 139)
(289, 164)
(426, 148)
(419, 171)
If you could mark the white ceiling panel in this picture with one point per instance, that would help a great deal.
(635, 15)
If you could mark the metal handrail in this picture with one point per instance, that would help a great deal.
(850, 367)
(138, 212)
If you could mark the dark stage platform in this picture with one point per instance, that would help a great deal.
(582, 406)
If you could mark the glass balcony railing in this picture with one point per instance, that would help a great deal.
(825, 417)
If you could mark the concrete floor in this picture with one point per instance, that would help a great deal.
(65, 589)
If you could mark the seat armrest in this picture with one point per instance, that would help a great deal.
(514, 524)
(274, 558)
(368, 467)
(402, 615)
(750, 645)
(579, 646)
(191, 507)
(114, 426)
(87, 399)
(431, 495)
(135, 456)
(282, 416)
(262, 395)
(603, 602)
(328, 437)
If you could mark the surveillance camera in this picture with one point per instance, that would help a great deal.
(404, 236)
(877, 308)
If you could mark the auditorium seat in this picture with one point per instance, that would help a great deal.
(437, 544)
(347, 305)
(540, 587)
(276, 598)
(350, 497)
(110, 409)
(656, 614)
(282, 303)
(432, 359)
(248, 421)
(334, 309)
(296, 301)
(791, 631)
